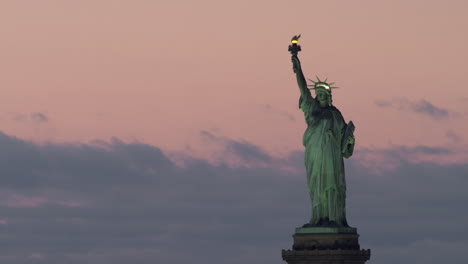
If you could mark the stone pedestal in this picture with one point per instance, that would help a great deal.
(326, 245)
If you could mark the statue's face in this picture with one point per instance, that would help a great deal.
(323, 98)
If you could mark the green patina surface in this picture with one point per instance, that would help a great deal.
(326, 230)
(327, 140)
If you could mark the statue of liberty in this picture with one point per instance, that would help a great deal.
(327, 140)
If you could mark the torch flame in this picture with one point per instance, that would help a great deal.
(295, 39)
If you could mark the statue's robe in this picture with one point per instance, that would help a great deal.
(324, 162)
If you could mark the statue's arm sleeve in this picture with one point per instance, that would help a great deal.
(348, 148)
(307, 105)
(306, 96)
(306, 101)
(348, 151)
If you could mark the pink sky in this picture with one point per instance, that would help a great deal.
(162, 71)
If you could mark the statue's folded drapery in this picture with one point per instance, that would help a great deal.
(324, 162)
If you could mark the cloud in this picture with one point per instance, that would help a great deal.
(383, 103)
(279, 112)
(454, 137)
(234, 153)
(117, 202)
(427, 108)
(417, 252)
(378, 161)
(422, 107)
(37, 117)
(17, 116)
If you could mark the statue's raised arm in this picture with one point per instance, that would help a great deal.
(301, 81)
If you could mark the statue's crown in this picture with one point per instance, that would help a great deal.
(322, 85)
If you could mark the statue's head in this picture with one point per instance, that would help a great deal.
(323, 92)
(323, 97)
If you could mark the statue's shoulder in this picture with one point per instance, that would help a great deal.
(333, 108)
(306, 104)
(336, 111)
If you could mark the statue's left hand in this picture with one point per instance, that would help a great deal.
(350, 140)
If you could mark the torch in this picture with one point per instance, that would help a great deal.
(294, 48)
